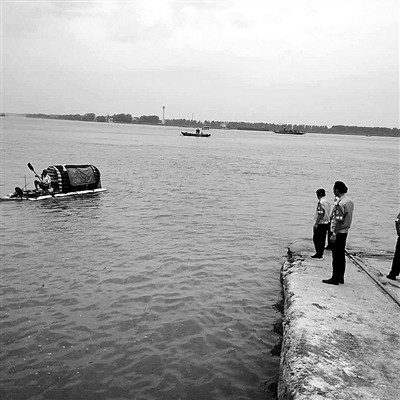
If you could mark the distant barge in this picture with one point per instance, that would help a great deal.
(286, 131)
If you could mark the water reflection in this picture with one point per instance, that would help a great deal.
(75, 203)
(72, 210)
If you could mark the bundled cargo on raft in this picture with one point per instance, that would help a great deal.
(74, 178)
(66, 180)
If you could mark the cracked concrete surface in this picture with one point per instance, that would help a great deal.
(339, 342)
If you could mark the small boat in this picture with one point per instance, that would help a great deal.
(290, 131)
(66, 180)
(198, 133)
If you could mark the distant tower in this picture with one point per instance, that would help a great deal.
(163, 115)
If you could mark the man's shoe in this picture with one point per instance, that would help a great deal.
(330, 281)
(393, 278)
(316, 256)
(328, 248)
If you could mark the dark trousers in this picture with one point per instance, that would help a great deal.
(339, 256)
(319, 238)
(396, 260)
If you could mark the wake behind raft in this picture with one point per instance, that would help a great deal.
(66, 180)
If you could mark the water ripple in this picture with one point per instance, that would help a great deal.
(163, 287)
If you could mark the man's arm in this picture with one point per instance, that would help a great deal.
(337, 222)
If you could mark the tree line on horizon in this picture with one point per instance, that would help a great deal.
(255, 126)
(118, 118)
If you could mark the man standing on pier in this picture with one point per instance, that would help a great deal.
(321, 223)
(342, 216)
(395, 271)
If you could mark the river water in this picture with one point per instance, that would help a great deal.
(166, 285)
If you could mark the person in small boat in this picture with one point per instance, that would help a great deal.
(44, 181)
(18, 192)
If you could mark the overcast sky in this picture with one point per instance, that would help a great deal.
(317, 62)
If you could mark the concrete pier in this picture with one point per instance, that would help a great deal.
(339, 342)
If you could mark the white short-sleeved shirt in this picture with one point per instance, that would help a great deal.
(326, 206)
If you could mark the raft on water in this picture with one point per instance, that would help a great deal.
(66, 180)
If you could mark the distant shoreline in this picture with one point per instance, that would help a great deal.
(232, 125)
